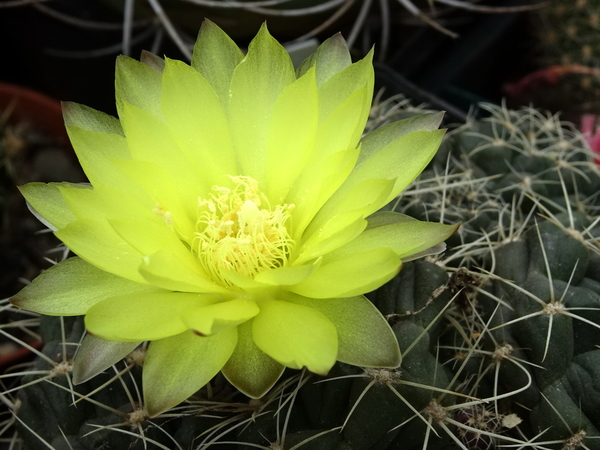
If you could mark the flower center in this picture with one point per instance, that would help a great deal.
(237, 231)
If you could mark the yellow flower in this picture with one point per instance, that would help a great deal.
(232, 218)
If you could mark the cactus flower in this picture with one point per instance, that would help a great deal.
(231, 218)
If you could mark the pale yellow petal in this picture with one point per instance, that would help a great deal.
(142, 317)
(256, 83)
(197, 121)
(291, 134)
(296, 336)
(149, 139)
(99, 244)
(162, 189)
(216, 317)
(350, 276)
(165, 270)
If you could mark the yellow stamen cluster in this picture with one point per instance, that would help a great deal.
(238, 232)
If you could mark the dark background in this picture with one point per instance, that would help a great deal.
(57, 58)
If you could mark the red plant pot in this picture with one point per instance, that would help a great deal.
(41, 111)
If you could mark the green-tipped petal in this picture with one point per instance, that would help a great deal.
(87, 118)
(165, 270)
(213, 318)
(137, 84)
(249, 369)
(197, 122)
(72, 287)
(402, 234)
(95, 151)
(295, 113)
(48, 205)
(142, 317)
(403, 160)
(95, 356)
(178, 366)
(153, 61)
(296, 336)
(385, 135)
(257, 82)
(99, 244)
(342, 85)
(216, 56)
(364, 335)
(350, 276)
(331, 57)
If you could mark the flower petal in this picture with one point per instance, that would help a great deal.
(162, 189)
(216, 56)
(213, 318)
(317, 246)
(249, 369)
(153, 61)
(95, 356)
(149, 139)
(350, 276)
(342, 85)
(256, 83)
(178, 366)
(48, 205)
(361, 201)
(198, 123)
(294, 113)
(138, 84)
(95, 151)
(331, 57)
(385, 135)
(285, 276)
(150, 236)
(365, 337)
(330, 164)
(142, 317)
(72, 287)
(402, 234)
(402, 160)
(167, 271)
(101, 202)
(87, 118)
(296, 336)
(98, 243)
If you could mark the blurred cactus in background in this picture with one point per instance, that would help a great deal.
(569, 53)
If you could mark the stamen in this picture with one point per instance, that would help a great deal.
(162, 213)
(238, 231)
